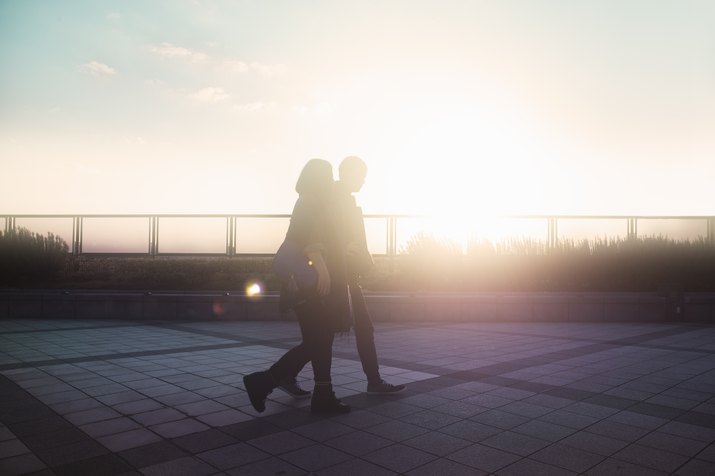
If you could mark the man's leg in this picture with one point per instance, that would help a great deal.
(365, 341)
(364, 335)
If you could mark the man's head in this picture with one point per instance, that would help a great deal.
(352, 172)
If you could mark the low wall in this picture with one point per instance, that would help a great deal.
(565, 307)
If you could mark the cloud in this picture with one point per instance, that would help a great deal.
(210, 95)
(114, 16)
(231, 65)
(250, 106)
(237, 66)
(167, 50)
(95, 68)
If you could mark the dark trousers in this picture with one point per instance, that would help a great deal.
(364, 335)
(316, 347)
(364, 339)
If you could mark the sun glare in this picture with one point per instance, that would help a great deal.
(253, 289)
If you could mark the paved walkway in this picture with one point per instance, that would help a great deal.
(160, 398)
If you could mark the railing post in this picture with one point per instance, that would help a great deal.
(9, 224)
(231, 236)
(77, 235)
(632, 232)
(391, 236)
(711, 230)
(153, 236)
(553, 232)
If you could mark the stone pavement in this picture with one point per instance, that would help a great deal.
(160, 398)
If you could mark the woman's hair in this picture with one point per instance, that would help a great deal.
(316, 177)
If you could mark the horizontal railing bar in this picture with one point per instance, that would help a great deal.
(373, 215)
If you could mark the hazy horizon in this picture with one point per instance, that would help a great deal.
(462, 108)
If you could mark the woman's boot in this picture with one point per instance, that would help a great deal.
(258, 386)
(325, 401)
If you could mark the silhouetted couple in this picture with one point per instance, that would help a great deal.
(328, 227)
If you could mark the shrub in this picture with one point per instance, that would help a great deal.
(27, 257)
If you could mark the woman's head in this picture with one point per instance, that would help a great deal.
(315, 178)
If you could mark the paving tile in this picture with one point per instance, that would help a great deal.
(69, 453)
(543, 430)
(589, 409)
(201, 407)
(615, 467)
(424, 400)
(696, 467)
(358, 443)
(708, 454)
(355, 467)
(459, 409)
(526, 409)
(155, 417)
(688, 431)
(51, 439)
(570, 420)
(138, 406)
(91, 416)
(204, 440)
(270, 466)
(672, 443)
(395, 409)
(650, 457)
(77, 405)
(323, 430)
(487, 401)
(109, 465)
(567, 457)
(400, 458)
(151, 454)
(617, 430)
(21, 464)
(484, 458)
(128, 439)
(186, 466)
(281, 442)
(315, 457)
(444, 467)
(430, 420)
(396, 430)
(638, 420)
(500, 419)
(178, 428)
(593, 443)
(250, 429)
(437, 443)
(515, 443)
(232, 456)
(533, 468)
(224, 418)
(120, 397)
(470, 430)
(11, 448)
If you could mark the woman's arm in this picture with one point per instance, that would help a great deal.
(316, 258)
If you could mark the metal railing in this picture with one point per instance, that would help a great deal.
(391, 227)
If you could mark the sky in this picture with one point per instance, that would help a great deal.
(459, 108)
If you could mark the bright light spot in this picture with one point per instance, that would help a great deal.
(253, 289)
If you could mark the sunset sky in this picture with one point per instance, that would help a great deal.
(458, 107)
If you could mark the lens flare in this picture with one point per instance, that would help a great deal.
(253, 289)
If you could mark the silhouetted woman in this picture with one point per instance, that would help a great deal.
(313, 228)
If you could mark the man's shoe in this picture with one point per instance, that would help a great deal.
(383, 388)
(258, 386)
(291, 387)
(325, 401)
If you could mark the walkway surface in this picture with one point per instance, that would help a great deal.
(160, 398)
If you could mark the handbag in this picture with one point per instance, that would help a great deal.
(291, 264)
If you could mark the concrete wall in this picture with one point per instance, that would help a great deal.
(566, 307)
